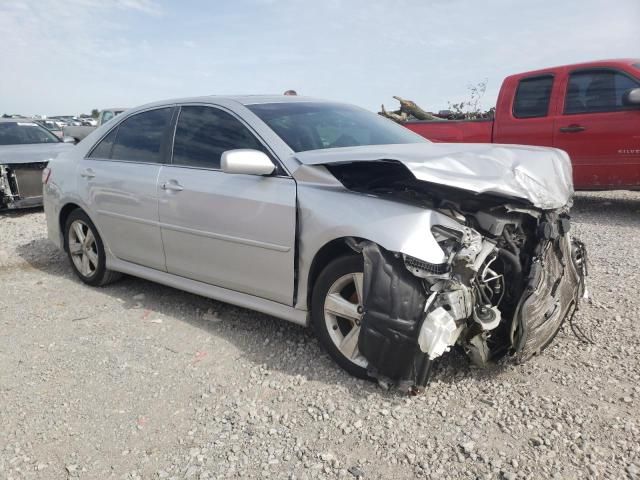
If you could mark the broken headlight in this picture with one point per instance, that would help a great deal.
(449, 241)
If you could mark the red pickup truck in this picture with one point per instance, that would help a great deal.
(590, 110)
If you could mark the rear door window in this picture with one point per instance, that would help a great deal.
(204, 133)
(103, 149)
(532, 97)
(594, 91)
(140, 137)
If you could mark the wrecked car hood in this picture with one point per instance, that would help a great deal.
(540, 175)
(31, 153)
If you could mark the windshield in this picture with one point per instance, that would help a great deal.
(313, 126)
(21, 133)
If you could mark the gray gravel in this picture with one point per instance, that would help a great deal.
(137, 380)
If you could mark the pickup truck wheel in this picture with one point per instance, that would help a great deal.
(86, 250)
(336, 312)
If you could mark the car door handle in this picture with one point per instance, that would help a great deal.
(87, 173)
(172, 186)
(572, 129)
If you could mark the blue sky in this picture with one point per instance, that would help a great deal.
(59, 57)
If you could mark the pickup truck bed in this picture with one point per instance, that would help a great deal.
(454, 131)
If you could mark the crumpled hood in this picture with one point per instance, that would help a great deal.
(36, 152)
(541, 175)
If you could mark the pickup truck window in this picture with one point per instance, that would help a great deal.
(203, 133)
(106, 116)
(594, 91)
(532, 97)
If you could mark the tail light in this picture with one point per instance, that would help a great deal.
(46, 173)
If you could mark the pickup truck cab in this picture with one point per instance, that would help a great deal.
(590, 110)
(78, 132)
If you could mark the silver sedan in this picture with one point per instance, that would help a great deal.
(395, 249)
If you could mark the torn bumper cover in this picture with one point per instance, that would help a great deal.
(501, 294)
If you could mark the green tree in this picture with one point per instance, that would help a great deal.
(94, 113)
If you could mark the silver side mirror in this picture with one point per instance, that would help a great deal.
(246, 161)
(631, 97)
(69, 140)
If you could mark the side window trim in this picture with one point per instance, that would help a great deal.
(550, 75)
(281, 171)
(167, 139)
(595, 70)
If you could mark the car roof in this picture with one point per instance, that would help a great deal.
(256, 99)
(16, 120)
(240, 99)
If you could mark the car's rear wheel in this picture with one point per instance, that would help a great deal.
(86, 250)
(336, 312)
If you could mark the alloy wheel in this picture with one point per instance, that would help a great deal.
(343, 315)
(83, 248)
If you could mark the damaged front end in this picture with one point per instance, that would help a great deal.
(509, 278)
(21, 185)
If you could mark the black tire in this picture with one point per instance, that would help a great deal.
(100, 275)
(331, 273)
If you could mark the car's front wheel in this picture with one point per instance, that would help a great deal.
(336, 312)
(86, 250)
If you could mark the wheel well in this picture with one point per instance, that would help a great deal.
(334, 249)
(64, 214)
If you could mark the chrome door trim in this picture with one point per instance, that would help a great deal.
(153, 223)
(226, 238)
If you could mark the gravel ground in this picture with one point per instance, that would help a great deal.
(137, 380)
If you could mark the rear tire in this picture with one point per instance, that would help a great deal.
(339, 288)
(86, 250)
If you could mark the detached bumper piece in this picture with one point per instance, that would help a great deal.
(21, 185)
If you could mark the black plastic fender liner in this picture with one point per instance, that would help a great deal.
(393, 304)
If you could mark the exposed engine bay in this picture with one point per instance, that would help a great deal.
(511, 274)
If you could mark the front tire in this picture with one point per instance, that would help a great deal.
(336, 312)
(86, 250)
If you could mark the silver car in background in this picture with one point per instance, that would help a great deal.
(395, 249)
(25, 149)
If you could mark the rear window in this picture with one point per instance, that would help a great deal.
(532, 97)
(103, 149)
(140, 137)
